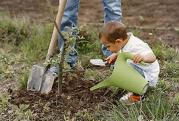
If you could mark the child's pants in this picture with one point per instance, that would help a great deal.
(141, 71)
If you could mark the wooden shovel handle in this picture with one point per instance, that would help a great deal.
(53, 42)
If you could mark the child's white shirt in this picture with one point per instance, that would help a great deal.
(137, 46)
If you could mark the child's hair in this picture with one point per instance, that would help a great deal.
(113, 30)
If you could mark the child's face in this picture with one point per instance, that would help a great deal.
(113, 47)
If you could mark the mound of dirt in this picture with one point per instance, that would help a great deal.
(75, 97)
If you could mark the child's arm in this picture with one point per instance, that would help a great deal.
(112, 58)
(148, 58)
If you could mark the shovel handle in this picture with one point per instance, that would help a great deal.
(53, 42)
(58, 30)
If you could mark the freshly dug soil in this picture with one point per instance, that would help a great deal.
(75, 97)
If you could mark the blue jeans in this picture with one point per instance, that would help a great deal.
(138, 69)
(112, 11)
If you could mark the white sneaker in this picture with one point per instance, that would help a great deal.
(98, 62)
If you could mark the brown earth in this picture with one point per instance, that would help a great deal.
(75, 99)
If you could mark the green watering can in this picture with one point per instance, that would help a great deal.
(124, 76)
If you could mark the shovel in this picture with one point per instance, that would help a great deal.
(40, 79)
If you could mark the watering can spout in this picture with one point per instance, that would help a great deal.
(124, 76)
(102, 84)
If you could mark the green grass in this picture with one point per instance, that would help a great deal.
(35, 47)
(157, 106)
(13, 32)
(22, 45)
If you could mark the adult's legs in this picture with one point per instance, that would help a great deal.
(70, 15)
(112, 11)
(69, 20)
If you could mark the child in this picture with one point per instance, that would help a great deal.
(115, 37)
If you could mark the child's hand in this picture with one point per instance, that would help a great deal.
(112, 58)
(137, 58)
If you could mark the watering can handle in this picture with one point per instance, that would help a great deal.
(128, 55)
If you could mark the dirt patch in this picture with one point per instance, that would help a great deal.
(155, 19)
(75, 98)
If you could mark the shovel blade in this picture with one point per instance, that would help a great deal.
(35, 78)
(48, 81)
